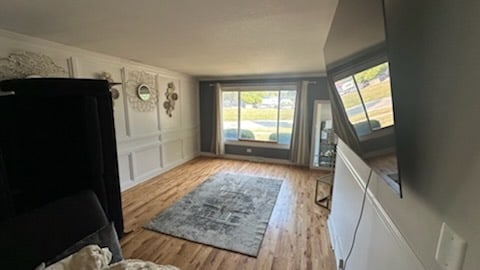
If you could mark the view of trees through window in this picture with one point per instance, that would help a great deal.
(367, 99)
(260, 115)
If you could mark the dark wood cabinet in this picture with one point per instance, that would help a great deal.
(57, 137)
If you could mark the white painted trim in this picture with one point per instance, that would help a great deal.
(72, 67)
(178, 105)
(159, 105)
(133, 166)
(130, 166)
(381, 213)
(148, 175)
(337, 250)
(126, 113)
(158, 133)
(352, 170)
(154, 173)
(144, 147)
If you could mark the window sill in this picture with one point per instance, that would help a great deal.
(259, 144)
(379, 133)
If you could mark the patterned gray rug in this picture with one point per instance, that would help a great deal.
(229, 211)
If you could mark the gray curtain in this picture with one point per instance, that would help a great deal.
(300, 149)
(218, 146)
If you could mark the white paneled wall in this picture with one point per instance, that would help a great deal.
(148, 143)
(379, 243)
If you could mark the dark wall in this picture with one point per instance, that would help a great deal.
(315, 91)
(258, 151)
(433, 47)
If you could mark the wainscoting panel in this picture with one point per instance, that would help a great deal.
(142, 122)
(173, 151)
(124, 169)
(379, 243)
(190, 147)
(147, 159)
(173, 135)
(88, 67)
(149, 142)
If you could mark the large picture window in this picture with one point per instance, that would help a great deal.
(259, 113)
(367, 98)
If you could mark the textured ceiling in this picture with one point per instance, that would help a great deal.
(205, 38)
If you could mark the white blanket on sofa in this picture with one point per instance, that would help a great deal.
(92, 257)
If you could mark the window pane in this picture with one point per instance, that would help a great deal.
(230, 115)
(374, 85)
(287, 109)
(258, 115)
(353, 105)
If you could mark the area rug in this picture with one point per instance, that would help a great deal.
(228, 211)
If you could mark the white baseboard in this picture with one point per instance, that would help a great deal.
(337, 251)
(154, 173)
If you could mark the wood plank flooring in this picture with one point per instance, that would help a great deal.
(296, 237)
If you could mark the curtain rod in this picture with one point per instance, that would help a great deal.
(310, 82)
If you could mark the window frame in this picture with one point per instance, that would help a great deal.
(259, 87)
(350, 69)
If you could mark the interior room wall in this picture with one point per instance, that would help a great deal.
(380, 244)
(148, 143)
(317, 90)
(432, 49)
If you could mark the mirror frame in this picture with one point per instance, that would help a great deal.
(143, 92)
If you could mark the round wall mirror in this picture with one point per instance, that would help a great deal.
(143, 92)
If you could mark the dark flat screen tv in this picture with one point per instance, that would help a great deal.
(360, 86)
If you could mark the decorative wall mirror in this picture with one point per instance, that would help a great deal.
(143, 92)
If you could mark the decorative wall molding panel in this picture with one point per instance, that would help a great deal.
(149, 142)
(22, 64)
(136, 81)
(379, 243)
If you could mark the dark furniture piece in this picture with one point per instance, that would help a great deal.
(57, 137)
(41, 234)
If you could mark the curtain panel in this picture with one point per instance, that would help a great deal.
(218, 145)
(300, 147)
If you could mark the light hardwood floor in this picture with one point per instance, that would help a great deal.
(296, 237)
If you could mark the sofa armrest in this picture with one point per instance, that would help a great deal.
(34, 237)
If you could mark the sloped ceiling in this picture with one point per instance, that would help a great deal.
(198, 37)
